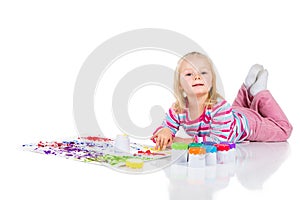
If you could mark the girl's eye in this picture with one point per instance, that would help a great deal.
(188, 74)
(203, 72)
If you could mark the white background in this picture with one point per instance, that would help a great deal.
(44, 44)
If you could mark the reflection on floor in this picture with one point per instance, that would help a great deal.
(255, 163)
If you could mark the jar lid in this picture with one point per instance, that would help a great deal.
(222, 147)
(210, 148)
(197, 150)
(194, 144)
(179, 146)
(122, 137)
(209, 143)
(231, 144)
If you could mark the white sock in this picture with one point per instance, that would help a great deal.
(260, 84)
(252, 75)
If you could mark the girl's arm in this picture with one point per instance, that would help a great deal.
(164, 134)
(222, 122)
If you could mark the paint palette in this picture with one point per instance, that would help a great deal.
(96, 150)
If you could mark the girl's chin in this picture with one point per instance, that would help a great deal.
(198, 94)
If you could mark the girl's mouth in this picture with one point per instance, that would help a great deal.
(198, 84)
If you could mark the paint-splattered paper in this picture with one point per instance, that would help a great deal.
(95, 150)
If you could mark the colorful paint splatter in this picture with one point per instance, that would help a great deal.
(95, 150)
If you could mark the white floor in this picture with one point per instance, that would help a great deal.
(262, 171)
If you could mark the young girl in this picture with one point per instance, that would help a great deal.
(206, 116)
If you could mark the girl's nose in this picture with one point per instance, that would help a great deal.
(197, 77)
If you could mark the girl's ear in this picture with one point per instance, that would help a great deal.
(180, 87)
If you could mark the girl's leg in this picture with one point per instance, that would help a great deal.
(242, 99)
(275, 124)
(266, 119)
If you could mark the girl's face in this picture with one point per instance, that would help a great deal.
(195, 76)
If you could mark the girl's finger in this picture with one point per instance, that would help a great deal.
(158, 139)
(169, 142)
(153, 136)
(162, 142)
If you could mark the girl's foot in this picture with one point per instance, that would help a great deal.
(252, 75)
(260, 84)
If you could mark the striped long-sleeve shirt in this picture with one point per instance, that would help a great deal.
(219, 123)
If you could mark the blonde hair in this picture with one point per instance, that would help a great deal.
(213, 95)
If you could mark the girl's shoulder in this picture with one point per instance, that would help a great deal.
(221, 103)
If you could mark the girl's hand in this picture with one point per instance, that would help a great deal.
(163, 138)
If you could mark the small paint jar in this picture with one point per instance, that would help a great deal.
(134, 163)
(232, 151)
(179, 152)
(122, 144)
(193, 144)
(211, 155)
(196, 157)
(222, 153)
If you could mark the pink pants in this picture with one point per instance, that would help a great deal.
(265, 117)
